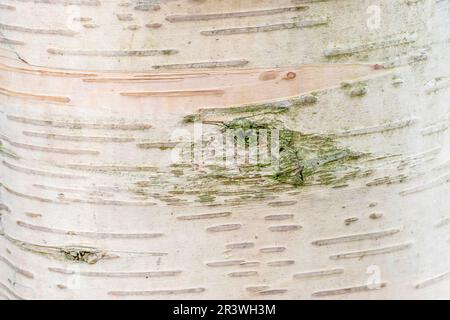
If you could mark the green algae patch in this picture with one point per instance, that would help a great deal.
(286, 158)
(295, 158)
(309, 158)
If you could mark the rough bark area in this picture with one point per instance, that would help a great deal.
(95, 94)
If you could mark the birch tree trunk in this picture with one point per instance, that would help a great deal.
(245, 149)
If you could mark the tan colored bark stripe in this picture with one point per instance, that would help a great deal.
(319, 273)
(227, 15)
(57, 32)
(268, 28)
(79, 125)
(183, 93)
(44, 72)
(7, 7)
(11, 42)
(112, 53)
(66, 2)
(157, 292)
(25, 95)
(143, 274)
(335, 292)
(370, 252)
(95, 235)
(16, 269)
(356, 237)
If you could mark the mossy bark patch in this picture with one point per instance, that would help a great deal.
(298, 159)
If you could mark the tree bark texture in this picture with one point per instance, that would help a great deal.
(112, 184)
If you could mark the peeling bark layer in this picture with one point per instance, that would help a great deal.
(95, 96)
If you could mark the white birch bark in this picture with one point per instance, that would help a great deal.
(95, 96)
